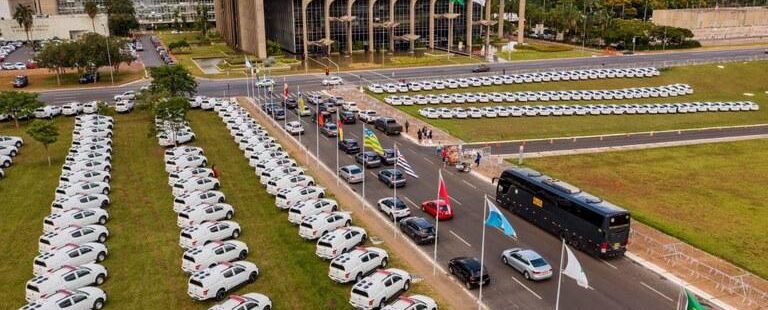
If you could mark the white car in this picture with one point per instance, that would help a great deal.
(250, 301)
(94, 117)
(9, 151)
(367, 116)
(185, 161)
(65, 278)
(287, 181)
(74, 217)
(195, 184)
(48, 111)
(71, 254)
(350, 106)
(90, 147)
(287, 197)
(413, 302)
(294, 128)
(188, 173)
(72, 235)
(332, 80)
(208, 232)
(256, 158)
(253, 149)
(5, 161)
(393, 207)
(216, 281)
(82, 132)
(79, 201)
(207, 256)
(300, 210)
(268, 174)
(265, 83)
(354, 265)
(183, 150)
(90, 107)
(196, 198)
(315, 226)
(72, 108)
(202, 213)
(274, 162)
(339, 241)
(84, 156)
(373, 291)
(181, 137)
(11, 141)
(128, 95)
(87, 165)
(92, 140)
(85, 298)
(71, 189)
(124, 106)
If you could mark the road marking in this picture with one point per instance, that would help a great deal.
(454, 200)
(655, 291)
(373, 174)
(460, 238)
(609, 264)
(427, 159)
(475, 187)
(408, 200)
(527, 288)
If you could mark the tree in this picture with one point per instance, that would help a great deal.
(58, 57)
(18, 104)
(172, 115)
(97, 53)
(121, 17)
(202, 18)
(44, 132)
(175, 80)
(92, 10)
(24, 15)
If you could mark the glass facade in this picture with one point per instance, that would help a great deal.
(163, 11)
(75, 6)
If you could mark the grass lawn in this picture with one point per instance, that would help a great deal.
(709, 82)
(545, 50)
(711, 196)
(71, 80)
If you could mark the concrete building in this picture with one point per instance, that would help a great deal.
(719, 26)
(163, 12)
(53, 26)
(347, 25)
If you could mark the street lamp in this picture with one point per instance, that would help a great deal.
(109, 56)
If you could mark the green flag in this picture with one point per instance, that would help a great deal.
(459, 2)
(691, 303)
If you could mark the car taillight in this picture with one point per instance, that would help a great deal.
(603, 247)
(314, 232)
(194, 242)
(370, 302)
(197, 267)
(205, 292)
(334, 252)
(346, 275)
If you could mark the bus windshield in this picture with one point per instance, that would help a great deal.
(619, 220)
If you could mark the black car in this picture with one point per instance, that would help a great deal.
(269, 108)
(418, 229)
(388, 158)
(327, 116)
(349, 146)
(481, 68)
(392, 177)
(348, 117)
(90, 77)
(291, 103)
(369, 159)
(21, 81)
(467, 270)
(329, 130)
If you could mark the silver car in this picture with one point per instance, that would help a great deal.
(528, 262)
(351, 174)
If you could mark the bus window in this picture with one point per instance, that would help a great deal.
(503, 187)
(619, 220)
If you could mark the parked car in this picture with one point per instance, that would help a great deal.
(528, 262)
(388, 125)
(65, 278)
(392, 177)
(354, 265)
(373, 291)
(74, 217)
(412, 302)
(329, 130)
(347, 117)
(205, 233)
(303, 209)
(72, 235)
(467, 271)
(339, 241)
(369, 159)
(393, 207)
(294, 128)
(438, 208)
(79, 201)
(202, 213)
(216, 281)
(83, 298)
(315, 226)
(418, 229)
(196, 198)
(71, 254)
(351, 173)
(211, 254)
(20, 81)
(250, 301)
(481, 68)
(90, 77)
(349, 146)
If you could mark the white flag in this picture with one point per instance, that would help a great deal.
(480, 2)
(248, 63)
(573, 269)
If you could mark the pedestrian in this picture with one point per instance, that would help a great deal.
(429, 135)
(216, 172)
(438, 149)
(444, 155)
(407, 124)
(418, 134)
(477, 159)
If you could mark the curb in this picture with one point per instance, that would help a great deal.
(143, 79)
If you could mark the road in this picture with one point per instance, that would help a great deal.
(615, 284)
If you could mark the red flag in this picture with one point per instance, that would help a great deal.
(285, 90)
(442, 191)
(320, 119)
(339, 129)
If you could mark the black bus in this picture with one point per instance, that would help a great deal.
(585, 222)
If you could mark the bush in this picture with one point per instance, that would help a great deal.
(544, 48)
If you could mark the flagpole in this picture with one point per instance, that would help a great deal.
(338, 131)
(677, 307)
(560, 276)
(362, 149)
(394, 191)
(317, 137)
(482, 253)
(437, 222)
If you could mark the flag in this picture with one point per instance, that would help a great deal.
(285, 90)
(320, 119)
(573, 269)
(248, 63)
(691, 303)
(371, 141)
(442, 191)
(301, 103)
(339, 129)
(459, 2)
(402, 163)
(496, 219)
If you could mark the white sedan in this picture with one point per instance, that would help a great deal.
(333, 80)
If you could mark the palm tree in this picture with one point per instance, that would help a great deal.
(92, 9)
(24, 15)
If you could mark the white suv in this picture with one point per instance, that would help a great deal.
(66, 277)
(315, 226)
(195, 184)
(302, 209)
(87, 165)
(393, 207)
(250, 301)
(79, 201)
(274, 162)
(201, 213)
(287, 197)
(355, 264)
(196, 198)
(73, 255)
(339, 241)
(413, 302)
(72, 235)
(216, 281)
(374, 290)
(205, 233)
(268, 174)
(76, 216)
(185, 161)
(206, 256)
(84, 176)
(85, 298)
(182, 150)
(174, 177)
(287, 181)
(82, 188)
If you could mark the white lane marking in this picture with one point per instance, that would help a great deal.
(475, 187)
(408, 200)
(527, 288)
(609, 264)
(454, 200)
(460, 238)
(427, 159)
(655, 291)
(374, 175)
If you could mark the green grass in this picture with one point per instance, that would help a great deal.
(709, 82)
(544, 50)
(711, 196)
(71, 80)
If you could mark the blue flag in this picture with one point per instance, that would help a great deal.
(496, 219)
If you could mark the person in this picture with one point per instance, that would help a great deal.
(418, 134)
(429, 135)
(406, 126)
(439, 149)
(477, 159)
(216, 172)
(444, 155)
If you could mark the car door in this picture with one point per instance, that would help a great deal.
(84, 278)
(518, 262)
(229, 279)
(240, 276)
(397, 284)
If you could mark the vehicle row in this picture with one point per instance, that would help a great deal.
(67, 271)
(581, 110)
(9, 148)
(506, 79)
(672, 90)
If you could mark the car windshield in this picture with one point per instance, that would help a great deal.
(330, 126)
(539, 262)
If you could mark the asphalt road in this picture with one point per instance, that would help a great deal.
(615, 284)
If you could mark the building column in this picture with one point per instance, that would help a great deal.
(327, 15)
(261, 31)
(501, 18)
(392, 28)
(521, 23)
(371, 44)
(432, 24)
(450, 26)
(304, 5)
(349, 26)
(412, 15)
(487, 27)
(469, 4)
